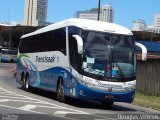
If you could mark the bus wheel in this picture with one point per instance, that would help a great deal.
(11, 61)
(26, 85)
(107, 104)
(60, 91)
(23, 81)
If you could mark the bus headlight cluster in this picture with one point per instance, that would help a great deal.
(86, 83)
(129, 88)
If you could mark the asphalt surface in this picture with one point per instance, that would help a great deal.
(17, 104)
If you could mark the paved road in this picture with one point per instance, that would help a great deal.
(19, 105)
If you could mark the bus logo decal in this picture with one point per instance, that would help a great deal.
(47, 59)
(23, 59)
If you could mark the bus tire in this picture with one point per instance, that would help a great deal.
(60, 91)
(11, 61)
(23, 81)
(27, 87)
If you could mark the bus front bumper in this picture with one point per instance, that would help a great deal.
(86, 93)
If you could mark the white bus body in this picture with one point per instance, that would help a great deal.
(85, 59)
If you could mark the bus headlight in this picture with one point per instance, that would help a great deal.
(129, 88)
(86, 83)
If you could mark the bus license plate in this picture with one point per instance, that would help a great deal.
(109, 97)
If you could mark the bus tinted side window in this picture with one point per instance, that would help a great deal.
(22, 45)
(56, 40)
(49, 41)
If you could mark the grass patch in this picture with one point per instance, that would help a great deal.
(147, 101)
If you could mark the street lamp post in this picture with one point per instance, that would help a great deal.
(99, 3)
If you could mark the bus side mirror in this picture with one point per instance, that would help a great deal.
(79, 43)
(144, 50)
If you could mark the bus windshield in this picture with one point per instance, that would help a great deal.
(108, 56)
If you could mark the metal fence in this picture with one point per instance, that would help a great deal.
(148, 77)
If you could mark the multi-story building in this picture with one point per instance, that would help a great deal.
(35, 12)
(88, 14)
(157, 21)
(106, 14)
(140, 25)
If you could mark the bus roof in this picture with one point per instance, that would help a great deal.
(84, 24)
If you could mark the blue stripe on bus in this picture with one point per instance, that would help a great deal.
(89, 94)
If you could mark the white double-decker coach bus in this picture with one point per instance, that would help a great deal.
(84, 59)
